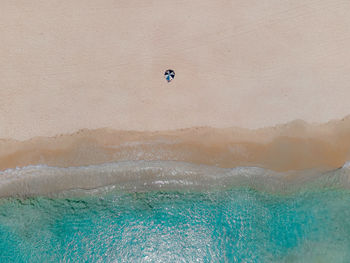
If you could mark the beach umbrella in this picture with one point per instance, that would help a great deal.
(169, 75)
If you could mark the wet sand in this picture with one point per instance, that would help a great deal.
(292, 146)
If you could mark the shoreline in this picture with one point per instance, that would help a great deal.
(292, 146)
(145, 176)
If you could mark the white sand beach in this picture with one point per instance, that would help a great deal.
(258, 83)
(82, 64)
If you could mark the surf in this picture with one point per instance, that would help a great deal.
(140, 176)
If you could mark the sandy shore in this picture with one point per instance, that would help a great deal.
(293, 146)
(83, 64)
(97, 67)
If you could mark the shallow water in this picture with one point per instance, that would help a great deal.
(236, 223)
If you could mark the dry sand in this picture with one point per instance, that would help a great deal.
(97, 67)
(70, 65)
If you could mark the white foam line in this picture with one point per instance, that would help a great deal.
(142, 175)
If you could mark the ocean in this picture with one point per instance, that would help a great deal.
(174, 212)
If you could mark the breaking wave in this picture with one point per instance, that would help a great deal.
(161, 175)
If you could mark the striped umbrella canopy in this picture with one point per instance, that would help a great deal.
(169, 75)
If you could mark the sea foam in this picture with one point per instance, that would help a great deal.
(158, 175)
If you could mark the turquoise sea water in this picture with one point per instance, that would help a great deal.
(236, 225)
(232, 224)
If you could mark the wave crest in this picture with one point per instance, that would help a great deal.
(161, 175)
